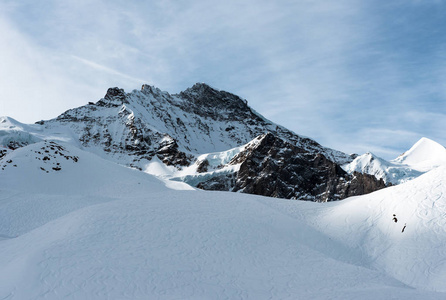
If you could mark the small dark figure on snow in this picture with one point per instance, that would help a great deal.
(394, 218)
(404, 227)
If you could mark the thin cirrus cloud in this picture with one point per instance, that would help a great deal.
(353, 75)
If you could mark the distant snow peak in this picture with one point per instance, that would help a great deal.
(424, 155)
(14, 134)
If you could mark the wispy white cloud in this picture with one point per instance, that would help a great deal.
(333, 71)
(107, 69)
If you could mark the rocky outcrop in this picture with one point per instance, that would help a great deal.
(169, 154)
(3, 153)
(113, 98)
(272, 167)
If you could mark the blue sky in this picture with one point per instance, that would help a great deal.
(354, 75)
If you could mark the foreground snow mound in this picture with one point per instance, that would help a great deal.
(44, 181)
(59, 168)
(413, 249)
(188, 245)
(75, 226)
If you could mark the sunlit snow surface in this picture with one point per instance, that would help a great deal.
(97, 230)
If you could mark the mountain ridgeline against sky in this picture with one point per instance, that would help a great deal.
(208, 138)
(200, 119)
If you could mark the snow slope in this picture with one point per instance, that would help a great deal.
(416, 256)
(46, 180)
(97, 230)
(425, 155)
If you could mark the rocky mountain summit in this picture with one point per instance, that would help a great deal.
(200, 119)
(147, 126)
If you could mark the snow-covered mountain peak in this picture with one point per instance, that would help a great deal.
(424, 155)
(200, 120)
(369, 163)
(201, 133)
(8, 122)
(152, 91)
(367, 159)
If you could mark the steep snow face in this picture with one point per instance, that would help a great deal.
(199, 120)
(390, 172)
(424, 155)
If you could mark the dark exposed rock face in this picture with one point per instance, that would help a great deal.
(203, 166)
(275, 168)
(362, 184)
(114, 97)
(17, 144)
(169, 154)
(206, 101)
(3, 152)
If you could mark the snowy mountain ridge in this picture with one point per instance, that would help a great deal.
(144, 127)
(200, 120)
(423, 156)
(194, 135)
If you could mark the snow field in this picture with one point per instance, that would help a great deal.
(188, 245)
(97, 230)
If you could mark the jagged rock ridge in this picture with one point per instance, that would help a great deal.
(198, 120)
